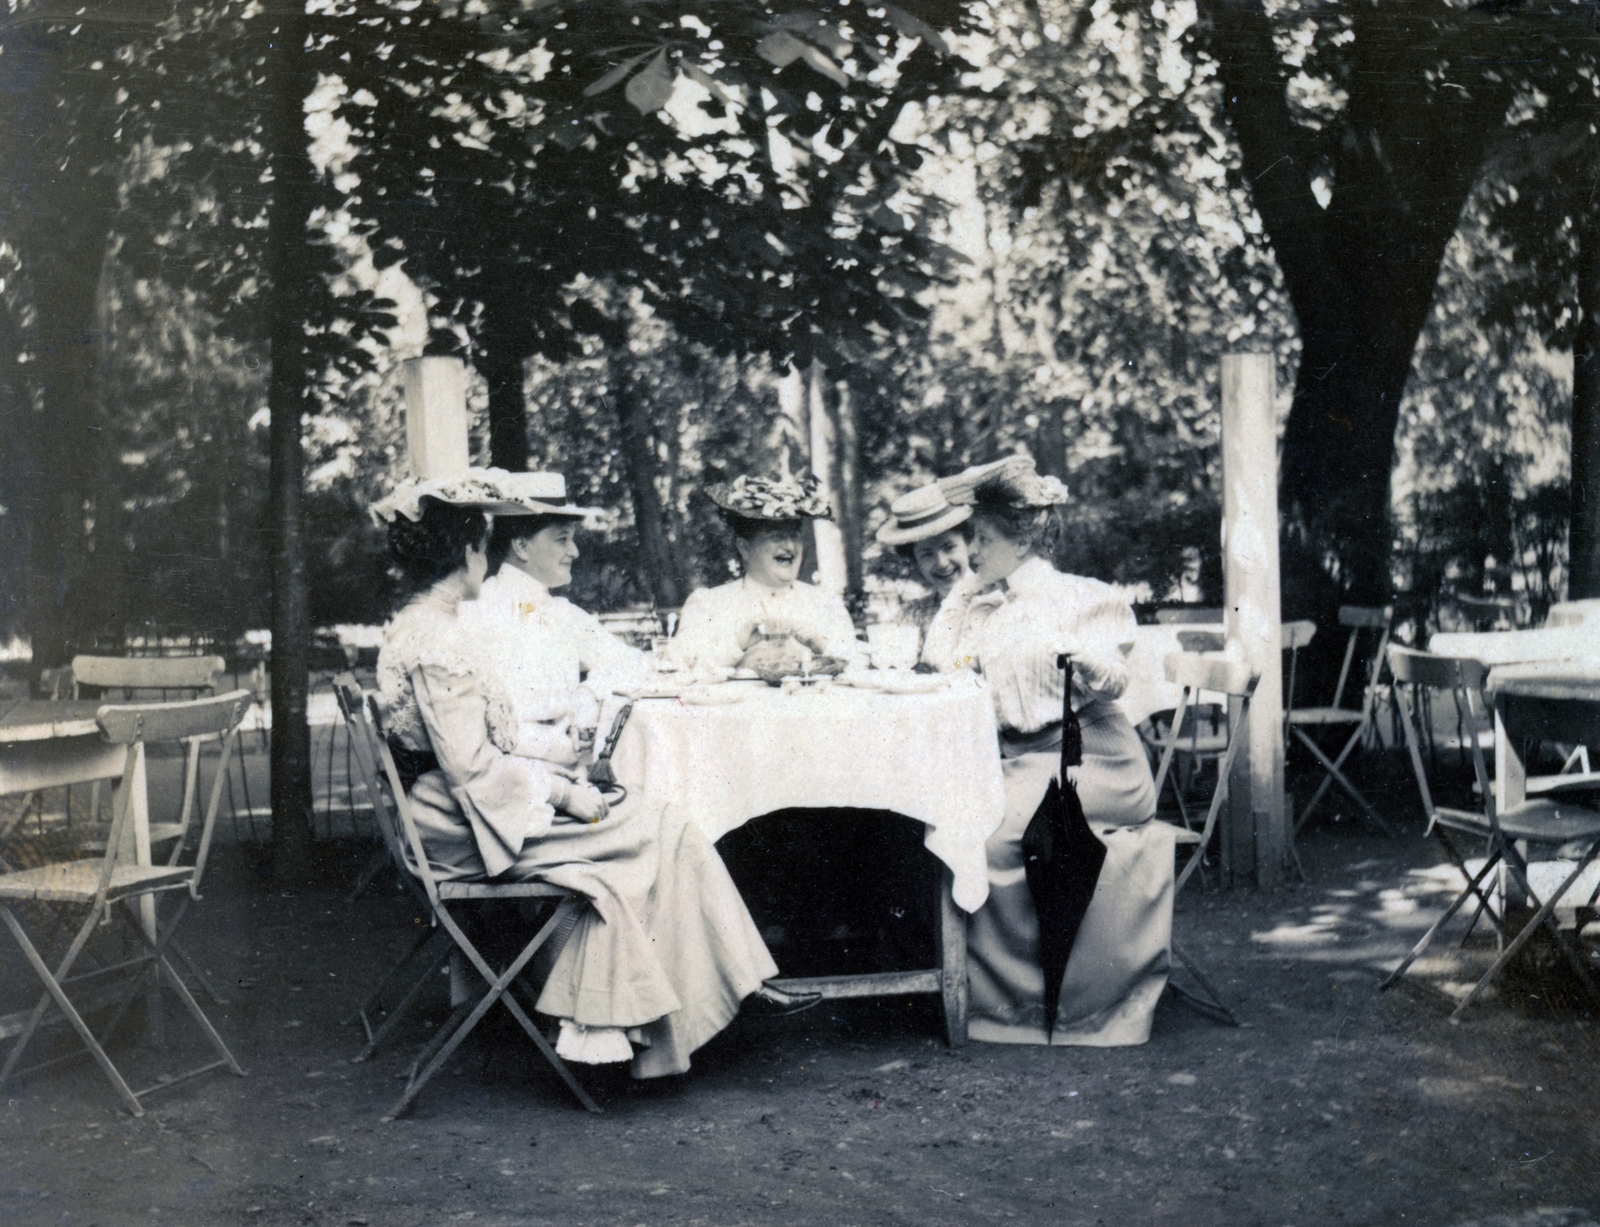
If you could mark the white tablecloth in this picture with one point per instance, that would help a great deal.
(934, 758)
(1573, 642)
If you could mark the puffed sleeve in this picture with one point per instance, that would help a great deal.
(1096, 642)
(946, 646)
(610, 666)
(506, 800)
(702, 639)
(834, 628)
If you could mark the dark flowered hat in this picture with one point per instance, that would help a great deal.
(763, 498)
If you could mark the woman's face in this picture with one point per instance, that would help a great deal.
(941, 560)
(477, 567)
(548, 554)
(994, 555)
(772, 555)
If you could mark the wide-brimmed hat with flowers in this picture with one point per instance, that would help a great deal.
(921, 514)
(482, 489)
(774, 499)
(1013, 479)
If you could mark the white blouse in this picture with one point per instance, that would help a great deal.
(714, 621)
(557, 662)
(436, 693)
(1013, 633)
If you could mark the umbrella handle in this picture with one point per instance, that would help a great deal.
(1071, 730)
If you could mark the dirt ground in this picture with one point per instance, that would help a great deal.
(1332, 1103)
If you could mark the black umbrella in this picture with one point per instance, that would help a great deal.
(1062, 860)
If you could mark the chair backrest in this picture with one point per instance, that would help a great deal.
(1464, 678)
(1238, 681)
(131, 722)
(135, 725)
(1299, 634)
(1202, 641)
(1363, 618)
(390, 808)
(148, 672)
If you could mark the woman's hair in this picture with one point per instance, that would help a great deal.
(744, 528)
(434, 545)
(908, 551)
(514, 528)
(1034, 528)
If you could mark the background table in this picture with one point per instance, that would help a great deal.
(1573, 641)
(1562, 697)
(933, 758)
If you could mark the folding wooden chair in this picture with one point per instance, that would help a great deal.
(119, 876)
(1234, 679)
(1536, 821)
(1360, 620)
(393, 811)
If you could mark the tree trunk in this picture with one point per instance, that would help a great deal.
(1361, 271)
(1583, 573)
(502, 366)
(638, 456)
(850, 516)
(287, 399)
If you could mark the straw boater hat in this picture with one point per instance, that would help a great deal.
(923, 513)
(761, 498)
(1013, 479)
(540, 494)
(482, 489)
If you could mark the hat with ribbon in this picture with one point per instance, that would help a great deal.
(481, 489)
(1012, 479)
(920, 514)
(540, 494)
(763, 498)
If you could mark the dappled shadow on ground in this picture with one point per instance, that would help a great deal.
(1332, 1103)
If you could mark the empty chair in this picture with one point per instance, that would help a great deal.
(1373, 625)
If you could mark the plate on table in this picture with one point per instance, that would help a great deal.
(895, 682)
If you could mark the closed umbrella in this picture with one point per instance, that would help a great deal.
(1061, 860)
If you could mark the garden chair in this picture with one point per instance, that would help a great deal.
(1362, 622)
(392, 810)
(97, 886)
(1236, 680)
(1539, 822)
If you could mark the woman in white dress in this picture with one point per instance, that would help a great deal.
(1010, 620)
(934, 535)
(768, 602)
(661, 961)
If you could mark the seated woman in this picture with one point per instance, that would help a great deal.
(932, 534)
(667, 951)
(718, 626)
(1009, 620)
(559, 664)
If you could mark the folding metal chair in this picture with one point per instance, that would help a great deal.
(1536, 821)
(1234, 679)
(1359, 619)
(118, 877)
(393, 813)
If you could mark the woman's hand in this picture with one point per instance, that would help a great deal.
(585, 803)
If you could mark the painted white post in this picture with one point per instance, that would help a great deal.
(1256, 835)
(436, 416)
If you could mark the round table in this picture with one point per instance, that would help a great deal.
(931, 757)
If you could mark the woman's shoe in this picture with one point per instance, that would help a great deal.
(775, 1002)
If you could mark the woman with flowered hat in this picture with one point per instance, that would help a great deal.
(719, 626)
(662, 959)
(1009, 621)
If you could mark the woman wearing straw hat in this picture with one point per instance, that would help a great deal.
(719, 626)
(932, 534)
(662, 960)
(1010, 620)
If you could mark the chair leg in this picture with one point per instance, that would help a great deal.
(1546, 910)
(54, 991)
(375, 865)
(1335, 775)
(1210, 1005)
(401, 1007)
(1427, 938)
